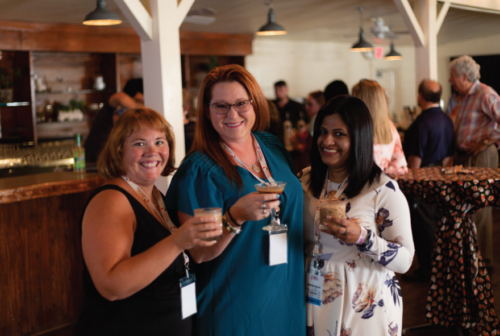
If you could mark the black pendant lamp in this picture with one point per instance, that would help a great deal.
(393, 55)
(102, 16)
(362, 45)
(271, 27)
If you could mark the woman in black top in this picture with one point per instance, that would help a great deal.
(133, 263)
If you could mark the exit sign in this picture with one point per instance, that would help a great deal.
(379, 52)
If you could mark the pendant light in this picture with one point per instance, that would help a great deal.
(102, 16)
(393, 55)
(362, 44)
(271, 27)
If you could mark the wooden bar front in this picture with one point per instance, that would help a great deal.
(40, 250)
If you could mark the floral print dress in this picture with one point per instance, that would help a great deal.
(361, 295)
(390, 157)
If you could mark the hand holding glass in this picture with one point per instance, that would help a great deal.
(214, 212)
(275, 188)
(335, 209)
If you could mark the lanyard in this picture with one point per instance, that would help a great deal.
(316, 250)
(166, 222)
(261, 158)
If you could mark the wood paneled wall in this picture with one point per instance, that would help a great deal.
(79, 38)
(40, 263)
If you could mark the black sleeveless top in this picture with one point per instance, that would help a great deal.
(154, 310)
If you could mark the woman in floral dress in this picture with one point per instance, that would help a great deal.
(387, 150)
(357, 260)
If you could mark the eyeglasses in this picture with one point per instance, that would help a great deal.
(240, 106)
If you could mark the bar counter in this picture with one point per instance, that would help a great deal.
(40, 250)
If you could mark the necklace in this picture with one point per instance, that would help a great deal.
(255, 166)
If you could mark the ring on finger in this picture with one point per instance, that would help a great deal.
(346, 232)
(263, 206)
(264, 212)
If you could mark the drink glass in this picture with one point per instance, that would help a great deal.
(214, 212)
(332, 208)
(274, 188)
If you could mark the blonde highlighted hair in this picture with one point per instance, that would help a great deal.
(373, 95)
(110, 161)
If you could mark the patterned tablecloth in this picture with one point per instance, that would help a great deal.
(460, 291)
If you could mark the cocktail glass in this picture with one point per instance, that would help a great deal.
(273, 188)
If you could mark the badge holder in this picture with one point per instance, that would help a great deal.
(278, 242)
(188, 295)
(315, 280)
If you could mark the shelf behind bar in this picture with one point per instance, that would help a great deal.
(70, 92)
(15, 104)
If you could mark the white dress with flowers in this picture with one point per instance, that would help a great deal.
(361, 295)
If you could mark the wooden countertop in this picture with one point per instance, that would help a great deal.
(22, 188)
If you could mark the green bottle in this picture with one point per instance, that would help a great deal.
(78, 156)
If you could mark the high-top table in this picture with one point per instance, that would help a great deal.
(460, 291)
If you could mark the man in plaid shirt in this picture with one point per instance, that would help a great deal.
(476, 133)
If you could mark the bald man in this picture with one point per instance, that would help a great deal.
(428, 142)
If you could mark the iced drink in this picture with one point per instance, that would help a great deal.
(333, 209)
(214, 212)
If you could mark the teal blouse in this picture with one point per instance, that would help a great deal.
(238, 292)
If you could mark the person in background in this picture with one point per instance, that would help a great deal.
(314, 101)
(275, 121)
(302, 139)
(451, 110)
(133, 258)
(189, 125)
(476, 133)
(239, 293)
(388, 151)
(335, 88)
(130, 98)
(428, 143)
(288, 109)
(356, 259)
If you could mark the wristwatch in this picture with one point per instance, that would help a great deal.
(227, 224)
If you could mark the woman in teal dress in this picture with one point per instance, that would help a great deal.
(239, 293)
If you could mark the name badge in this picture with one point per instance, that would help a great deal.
(188, 296)
(314, 292)
(278, 248)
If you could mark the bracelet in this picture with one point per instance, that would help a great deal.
(232, 219)
(362, 236)
(233, 230)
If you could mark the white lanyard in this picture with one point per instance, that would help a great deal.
(339, 192)
(261, 158)
(166, 222)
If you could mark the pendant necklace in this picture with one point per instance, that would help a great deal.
(255, 166)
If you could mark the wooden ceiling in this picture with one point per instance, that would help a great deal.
(316, 20)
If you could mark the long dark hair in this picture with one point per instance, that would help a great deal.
(361, 166)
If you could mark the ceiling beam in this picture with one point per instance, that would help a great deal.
(411, 22)
(182, 9)
(493, 5)
(138, 17)
(442, 15)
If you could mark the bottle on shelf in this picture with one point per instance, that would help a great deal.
(78, 156)
(287, 133)
(301, 124)
(301, 134)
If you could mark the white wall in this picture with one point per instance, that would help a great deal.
(479, 46)
(308, 66)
